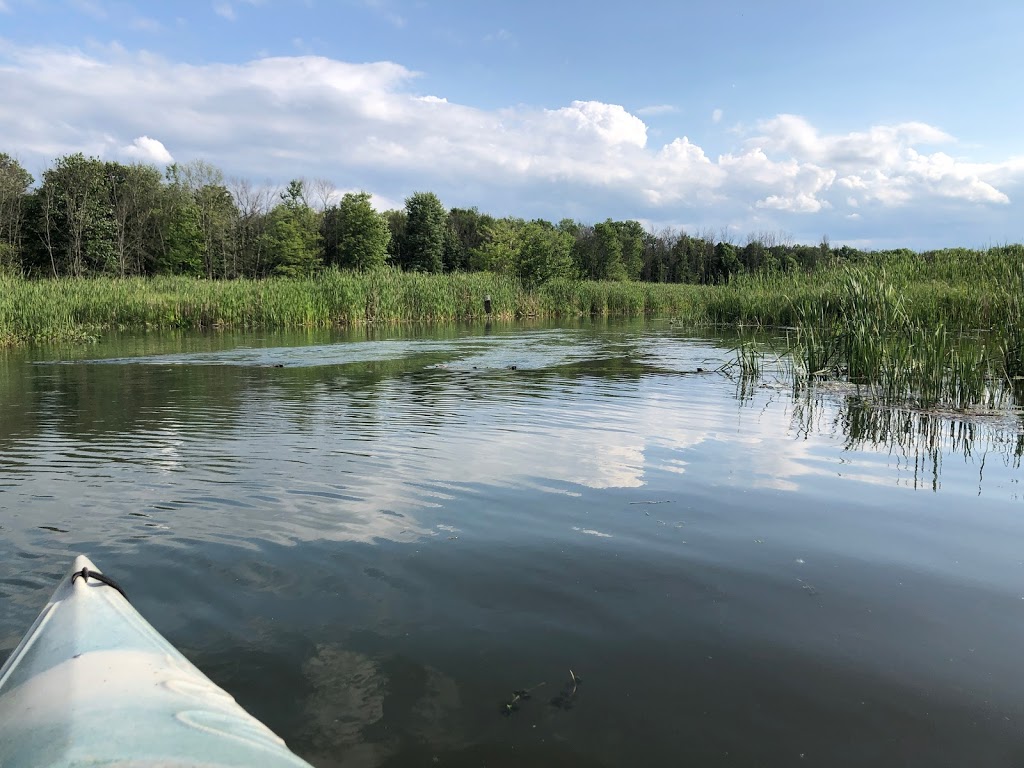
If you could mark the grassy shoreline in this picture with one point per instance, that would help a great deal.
(955, 291)
(937, 330)
(80, 309)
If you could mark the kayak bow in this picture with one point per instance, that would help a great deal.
(92, 683)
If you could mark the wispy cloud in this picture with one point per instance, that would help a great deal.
(501, 36)
(225, 10)
(90, 7)
(386, 11)
(366, 123)
(307, 47)
(716, 116)
(657, 109)
(145, 24)
(4, 7)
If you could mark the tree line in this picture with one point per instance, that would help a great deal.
(88, 216)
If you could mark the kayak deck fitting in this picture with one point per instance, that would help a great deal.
(92, 683)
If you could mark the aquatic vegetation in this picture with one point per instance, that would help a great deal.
(943, 331)
(919, 368)
(523, 694)
(566, 698)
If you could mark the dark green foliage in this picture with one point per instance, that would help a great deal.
(726, 263)
(544, 253)
(76, 226)
(606, 254)
(293, 235)
(396, 221)
(14, 184)
(355, 235)
(250, 225)
(426, 233)
(499, 249)
(467, 232)
(632, 237)
(217, 214)
(182, 237)
(199, 193)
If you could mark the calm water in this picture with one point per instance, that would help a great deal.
(374, 545)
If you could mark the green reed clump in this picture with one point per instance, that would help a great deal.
(963, 290)
(749, 359)
(944, 329)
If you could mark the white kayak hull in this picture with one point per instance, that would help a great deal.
(93, 684)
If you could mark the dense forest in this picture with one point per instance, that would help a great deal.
(90, 217)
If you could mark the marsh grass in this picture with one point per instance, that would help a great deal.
(946, 331)
(79, 309)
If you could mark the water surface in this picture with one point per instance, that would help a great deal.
(372, 539)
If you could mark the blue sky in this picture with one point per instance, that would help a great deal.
(878, 124)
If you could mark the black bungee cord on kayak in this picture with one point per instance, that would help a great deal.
(86, 574)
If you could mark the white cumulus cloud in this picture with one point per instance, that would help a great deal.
(612, 124)
(147, 150)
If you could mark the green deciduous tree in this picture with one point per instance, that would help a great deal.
(14, 184)
(355, 235)
(499, 251)
(204, 184)
(396, 221)
(293, 238)
(607, 255)
(426, 229)
(726, 262)
(253, 203)
(77, 219)
(544, 253)
(217, 220)
(467, 228)
(182, 237)
(633, 238)
(134, 192)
